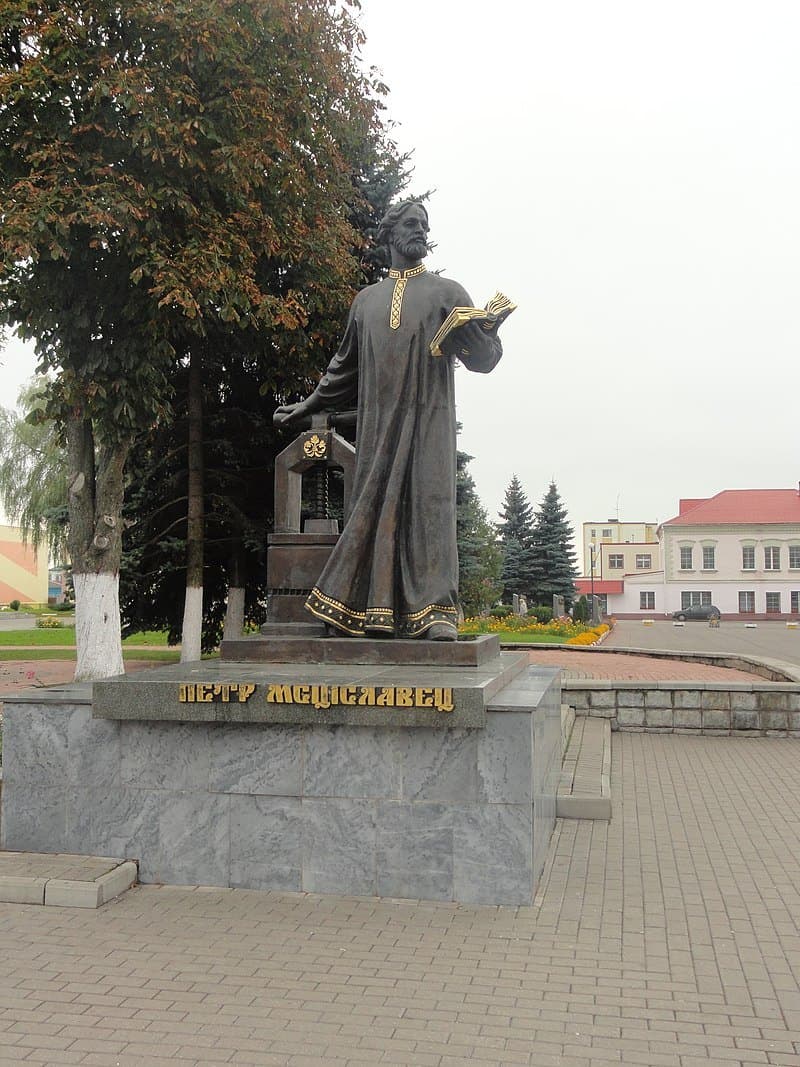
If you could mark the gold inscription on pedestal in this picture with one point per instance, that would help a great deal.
(215, 692)
(323, 697)
(320, 697)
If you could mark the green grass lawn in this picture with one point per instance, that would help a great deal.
(65, 635)
(158, 655)
(147, 637)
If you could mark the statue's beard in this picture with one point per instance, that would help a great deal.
(411, 247)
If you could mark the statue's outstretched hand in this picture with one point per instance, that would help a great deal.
(289, 414)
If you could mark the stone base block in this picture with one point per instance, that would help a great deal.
(454, 815)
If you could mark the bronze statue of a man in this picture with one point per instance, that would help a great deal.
(394, 569)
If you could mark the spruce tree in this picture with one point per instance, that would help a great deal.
(516, 531)
(480, 558)
(554, 554)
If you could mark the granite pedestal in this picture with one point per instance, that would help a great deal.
(438, 812)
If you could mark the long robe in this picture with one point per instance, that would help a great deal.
(394, 568)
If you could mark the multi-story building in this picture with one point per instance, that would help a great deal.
(23, 572)
(612, 550)
(614, 545)
(738, 550)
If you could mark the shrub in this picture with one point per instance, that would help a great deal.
(14, 605)
(541, 613)
(45, 622)
(502, 611)
(580, 609)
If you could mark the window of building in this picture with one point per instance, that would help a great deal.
(616, 563)
(794, 557)
(708, 558)
(748, 557)
(602, 603)
(606, 533)
(773, 603)
(772, 559)
(686, 559)
(795, 601)
(594, 533)
(644, 561)
(747, 603)
(691, 598)
(647, 601)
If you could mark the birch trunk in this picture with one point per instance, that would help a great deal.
(193, 605)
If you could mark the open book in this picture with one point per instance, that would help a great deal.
(496, 311)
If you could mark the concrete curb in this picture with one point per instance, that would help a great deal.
(585, 788)
(67, 892)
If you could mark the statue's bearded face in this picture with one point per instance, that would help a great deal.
(410, 234)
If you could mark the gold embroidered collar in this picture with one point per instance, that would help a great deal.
(412, 272)
(401, 277)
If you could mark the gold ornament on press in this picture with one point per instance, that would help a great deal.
(315, 446)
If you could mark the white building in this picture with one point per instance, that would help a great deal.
(738, 550)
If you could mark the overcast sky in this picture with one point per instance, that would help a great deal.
(628, 172)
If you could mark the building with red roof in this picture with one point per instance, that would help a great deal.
(738, 550)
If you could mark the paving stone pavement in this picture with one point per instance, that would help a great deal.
(16, 675)
(667, 937)
(619, 666)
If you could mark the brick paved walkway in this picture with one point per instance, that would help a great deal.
(16, 675)
(620, 667)
(668, 937)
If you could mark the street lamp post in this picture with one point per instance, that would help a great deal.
(591, 572)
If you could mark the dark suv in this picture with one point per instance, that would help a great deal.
(697, 611)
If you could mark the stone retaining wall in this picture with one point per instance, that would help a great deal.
(709, 708)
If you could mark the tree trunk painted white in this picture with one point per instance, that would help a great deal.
(234, 614)
(97, 626)
(192, 624)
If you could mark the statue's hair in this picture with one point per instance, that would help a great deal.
(393, 216)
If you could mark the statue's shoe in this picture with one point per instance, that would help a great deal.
(440, 631)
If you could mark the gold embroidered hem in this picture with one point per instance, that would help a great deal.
(358, 623)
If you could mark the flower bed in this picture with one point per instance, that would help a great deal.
(559, 631)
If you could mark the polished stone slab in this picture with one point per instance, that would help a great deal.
(288, 648)
(442, 697)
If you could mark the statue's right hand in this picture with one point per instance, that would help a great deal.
(288, 414)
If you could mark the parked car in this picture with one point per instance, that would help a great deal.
(697, 611)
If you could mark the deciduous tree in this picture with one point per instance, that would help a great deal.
(171, 173)
(33, 473)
